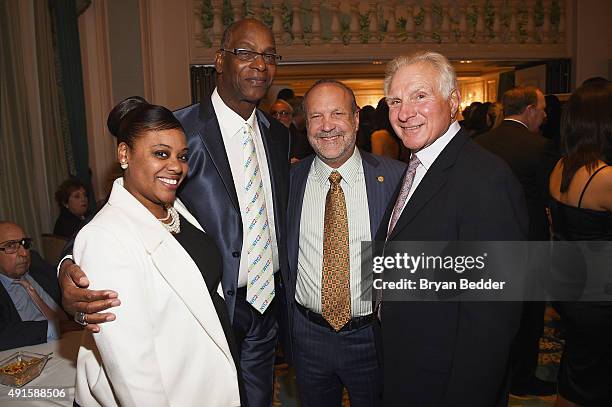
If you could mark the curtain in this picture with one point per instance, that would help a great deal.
(18, 195)
(70, 81)
(32, 148)
(57, 149)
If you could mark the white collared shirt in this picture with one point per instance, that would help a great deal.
(310, 254)
(428, 155)
(518, 121)
(231, 125)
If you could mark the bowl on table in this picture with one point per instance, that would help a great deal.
(21, 368)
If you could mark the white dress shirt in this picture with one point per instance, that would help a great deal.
(428, 155)
(310, 254)
(231, 124)
(518, 121)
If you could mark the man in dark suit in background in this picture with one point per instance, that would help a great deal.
(300, 147)
(446, 353)
(529, 155)
(531, 158)
(330, 305)
(29, 293)
(220, 131)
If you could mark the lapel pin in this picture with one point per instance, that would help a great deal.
(380, 178)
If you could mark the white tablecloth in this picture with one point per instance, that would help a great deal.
(60, 372)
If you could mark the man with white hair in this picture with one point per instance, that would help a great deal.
(446, 353)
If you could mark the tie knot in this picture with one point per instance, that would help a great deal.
(413, 163)
(247, 130)
(335, 177)
(25, 283)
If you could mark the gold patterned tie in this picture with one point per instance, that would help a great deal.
(335, 280)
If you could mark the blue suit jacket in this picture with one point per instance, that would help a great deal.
(382, 177)
(209, 190)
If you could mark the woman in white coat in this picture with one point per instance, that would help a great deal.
(171, 343)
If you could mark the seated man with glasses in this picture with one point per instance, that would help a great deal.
(29, 293)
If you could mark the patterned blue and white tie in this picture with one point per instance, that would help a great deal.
(260, 277)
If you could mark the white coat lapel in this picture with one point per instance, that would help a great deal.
(173, 262)
(181, 273)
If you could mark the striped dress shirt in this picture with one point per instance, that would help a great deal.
(310, 254)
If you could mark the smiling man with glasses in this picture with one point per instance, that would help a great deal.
(29, 293)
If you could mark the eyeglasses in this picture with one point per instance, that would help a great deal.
(282, 113)
(248, 55)
(11, 246)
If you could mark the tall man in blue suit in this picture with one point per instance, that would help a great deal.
(237, 190)
(337, 200)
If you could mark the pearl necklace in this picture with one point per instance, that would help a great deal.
(174, 226)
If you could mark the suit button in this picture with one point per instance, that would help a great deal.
(235, 254)
(230, 292)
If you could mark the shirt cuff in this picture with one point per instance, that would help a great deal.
(53, 330)
(59, 265)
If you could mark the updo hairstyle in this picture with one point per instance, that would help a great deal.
(134, 116)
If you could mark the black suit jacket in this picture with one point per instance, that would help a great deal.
(531, 158)
(300, 147)
(449, 353)
(14, 332)
(210, 194)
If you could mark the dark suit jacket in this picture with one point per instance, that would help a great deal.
(531, 158)
(14, 332)
(210, 193)
(449, 353)
(380, 194)
(300, 147)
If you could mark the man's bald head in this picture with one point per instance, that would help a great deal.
(7, 227)
(241, 25)
(13, 265)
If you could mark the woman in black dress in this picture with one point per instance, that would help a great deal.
(581, 210)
